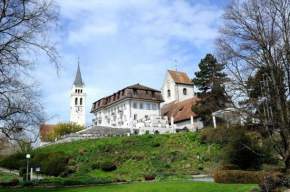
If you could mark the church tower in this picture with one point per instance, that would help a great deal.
(78, 100)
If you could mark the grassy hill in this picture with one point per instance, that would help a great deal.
(126, 158)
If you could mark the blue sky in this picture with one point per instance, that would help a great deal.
(121, 43)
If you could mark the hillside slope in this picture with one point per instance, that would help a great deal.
(133, 157)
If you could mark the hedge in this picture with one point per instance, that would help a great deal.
(237, 176)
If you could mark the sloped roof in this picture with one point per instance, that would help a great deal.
(180, 77)
(180, 111)
(78, 80)
(136, 91)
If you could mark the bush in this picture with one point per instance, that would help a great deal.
(22, 170)
(54, 164)
(272, 181)
(230, 167)
(108, 166)
(13, 182)
(149, 177)
(95, 165)
(237, 176)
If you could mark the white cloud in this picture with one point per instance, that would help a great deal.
(126, 42)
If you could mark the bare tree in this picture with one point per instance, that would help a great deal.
(25, 31)
(255, 37)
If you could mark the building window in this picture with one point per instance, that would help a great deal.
(153, 94)
(135, 105)
(168, 93)
(134, 92)
(123, 92)
(153, 107)
(135, 116)
(76, 101)
(81, 91)
(148, 106)
(81, 101)
(184, 91)
(76, 90)
(141, 105)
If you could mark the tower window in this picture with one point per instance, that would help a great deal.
(184, 91)
(134, 92)
(76, 90)
(168, 93)
(81, 91)
(81, 101)
(76, 101)
(153, 94)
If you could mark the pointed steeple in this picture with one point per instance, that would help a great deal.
(78, 80)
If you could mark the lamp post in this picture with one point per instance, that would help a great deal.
(27, 157)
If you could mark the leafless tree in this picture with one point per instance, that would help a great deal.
(26, 28)
(255, 36)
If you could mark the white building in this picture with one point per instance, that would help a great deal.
(177, 87)
(78, 100)
(126, 106)
(178, 93)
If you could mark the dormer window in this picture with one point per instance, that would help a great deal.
(168, 93)
(123, 92)
(153, 94)
(134, 92)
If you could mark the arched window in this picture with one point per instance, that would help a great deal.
(76, 101)
(184, 91)
(168, 93)
(81, 101)
(81, 91)
(76, 91)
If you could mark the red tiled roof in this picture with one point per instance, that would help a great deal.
(180, 111)
(180, 77)
(136, 91)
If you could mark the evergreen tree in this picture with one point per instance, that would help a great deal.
(209, 80)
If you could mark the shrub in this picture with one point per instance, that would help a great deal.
(13, 182)
(22, 170)
(54, 164)
(108, 166)
(95, 165)
(149, 177)
(274, 180)
(237, 176)
(230, 167)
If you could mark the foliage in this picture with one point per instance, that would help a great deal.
(271, 181)
(108, 166)
(25, 28)
(54, 163)
(62, 129)
(237, 176)
(239, 144)
(8, 177)
(254, 44)
(210, 77)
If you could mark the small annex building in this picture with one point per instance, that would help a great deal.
(178, 93)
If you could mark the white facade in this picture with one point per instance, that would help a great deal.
(174, 91)
(78, 100)
(123, 112)
(78, 105)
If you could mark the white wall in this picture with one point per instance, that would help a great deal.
(79, 118)
(128, 112)
(176, 90)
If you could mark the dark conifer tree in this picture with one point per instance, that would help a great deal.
(209, 80)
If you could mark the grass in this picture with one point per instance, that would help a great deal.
(6, 177)
(134, 157)
(172, 186)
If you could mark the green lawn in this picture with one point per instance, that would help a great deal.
(167, 186)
